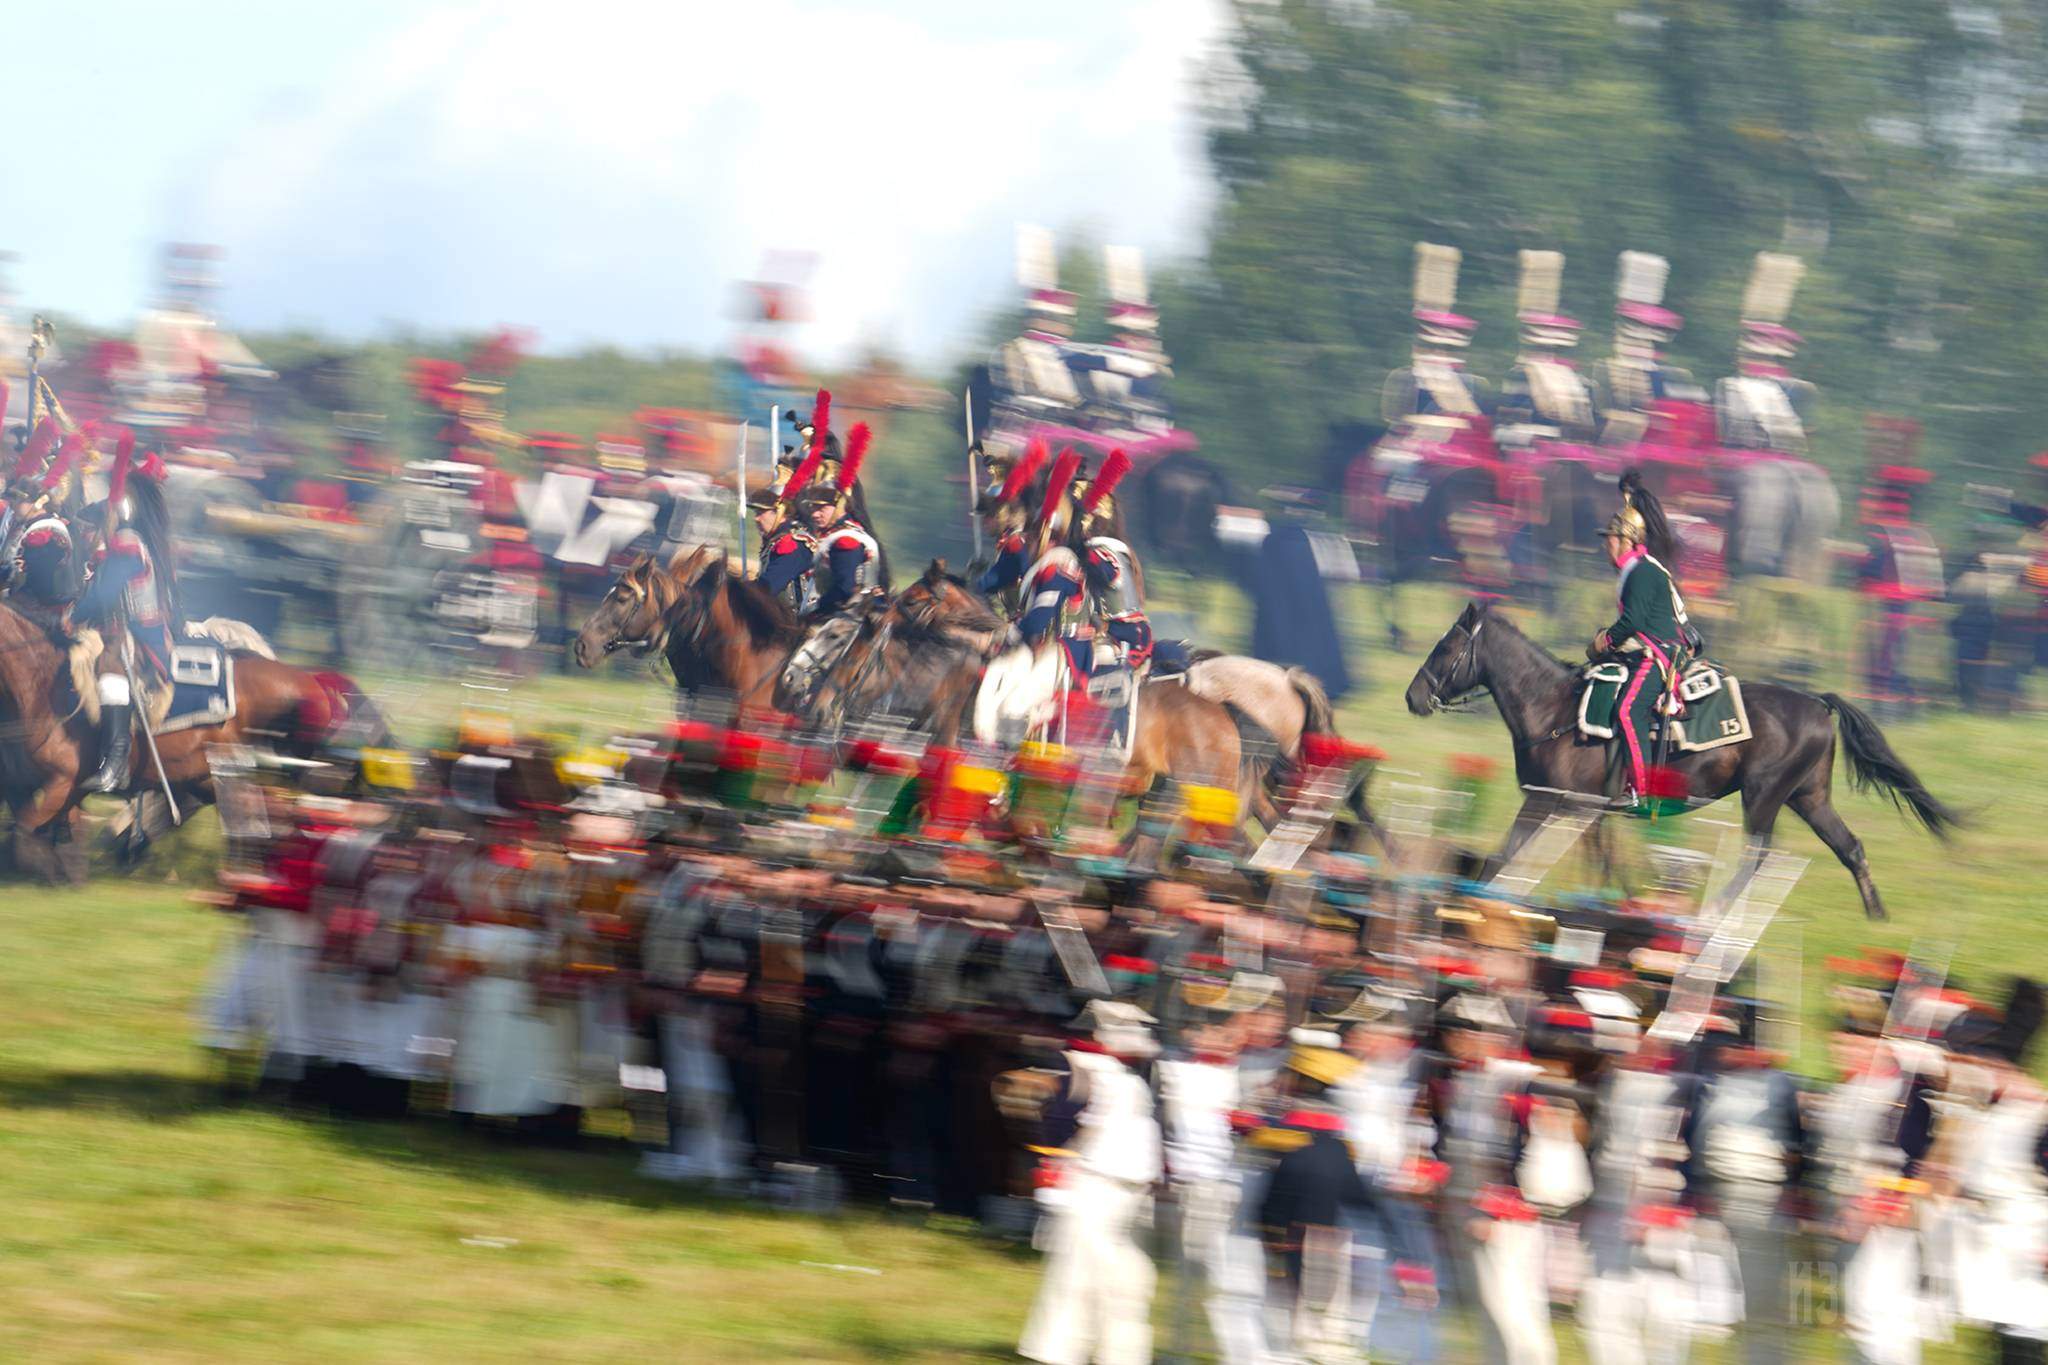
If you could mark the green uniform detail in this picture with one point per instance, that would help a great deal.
(1648, 607)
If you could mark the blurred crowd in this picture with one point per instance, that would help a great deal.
(1335, 1094)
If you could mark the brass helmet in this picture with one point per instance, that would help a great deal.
(1628, 525)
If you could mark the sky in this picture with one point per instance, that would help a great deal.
(596, 171)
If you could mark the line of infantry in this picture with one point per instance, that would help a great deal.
(1336, 1100)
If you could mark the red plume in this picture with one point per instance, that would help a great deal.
(1024, 471)
(821, 421)
(118, 483)
(66, 453)
(800, 478)
(1113, 470)
(856, 450)
(1063, 471)
(38, 447)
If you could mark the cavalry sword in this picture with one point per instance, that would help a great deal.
(973, 472)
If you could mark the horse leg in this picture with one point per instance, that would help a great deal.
(1812, 805)
(1607, 858)
(1536, 807)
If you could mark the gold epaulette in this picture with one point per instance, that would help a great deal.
(1280, 1139)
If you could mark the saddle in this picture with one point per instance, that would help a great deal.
(1711, 714)
(200, 691)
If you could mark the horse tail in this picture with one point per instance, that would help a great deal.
(1258, 751)
(1318, 716)
(1872, 764)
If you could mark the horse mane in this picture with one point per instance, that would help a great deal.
(1483, 612)
(758, 611)
(150, 518)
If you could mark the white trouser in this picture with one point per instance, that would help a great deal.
(1232, 1266)
(1636, 1317)
(1513, 1292)
(113, 688)
(1095, 1300)
(1881, 1303)
(701, 1126)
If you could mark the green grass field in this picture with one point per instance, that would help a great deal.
(146, 1213)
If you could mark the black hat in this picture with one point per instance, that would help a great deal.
(2006, 1037)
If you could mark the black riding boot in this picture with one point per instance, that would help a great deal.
(116, 735)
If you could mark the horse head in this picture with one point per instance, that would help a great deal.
(1453, 668)
(634, 613)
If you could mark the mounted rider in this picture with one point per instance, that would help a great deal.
(38, 557)
(128, 591)
(1762, 406)
(818, 521)
(1080, 564)
(1636, 377)
(1651, 634)
(1114, 578)
(818, 528)
(1007, 516)
(1542, 394)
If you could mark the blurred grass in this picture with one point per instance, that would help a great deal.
(149, 1214)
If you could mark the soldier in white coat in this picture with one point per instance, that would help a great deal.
(1990, 1155)
(1102, 1154)
(1871, 1132)
(1200, 1092)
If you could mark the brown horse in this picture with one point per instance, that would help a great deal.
(1273, 707)
(718, 630)
(45, 743)
(1789, 761)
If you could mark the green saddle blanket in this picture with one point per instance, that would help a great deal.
(1712, 716)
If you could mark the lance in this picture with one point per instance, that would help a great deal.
(115, 488)
(973, 472)
(35, 360)
(740, 486)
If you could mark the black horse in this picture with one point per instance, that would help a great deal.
(1789, 760)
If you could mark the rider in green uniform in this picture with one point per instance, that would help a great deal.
(1651, 633)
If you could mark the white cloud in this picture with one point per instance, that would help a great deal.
(601, 180)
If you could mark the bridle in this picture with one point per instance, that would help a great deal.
(1438, 701)
(643, 643)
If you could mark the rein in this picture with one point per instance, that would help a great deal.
(1437, 698)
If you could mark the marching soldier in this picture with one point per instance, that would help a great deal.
(1873, 1130)
(1637, 1303)
(1314, 1199)
(1200, 1092)
(1103, 1156)
(1748, 1145)
(1483, 1108)
(1990, 1154)
(1391, 1141)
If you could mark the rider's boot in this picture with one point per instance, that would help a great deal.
(116, 735)
(1620, 791)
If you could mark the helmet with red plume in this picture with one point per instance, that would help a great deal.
(1056, 513)
(857, 442)
(1095, 502)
